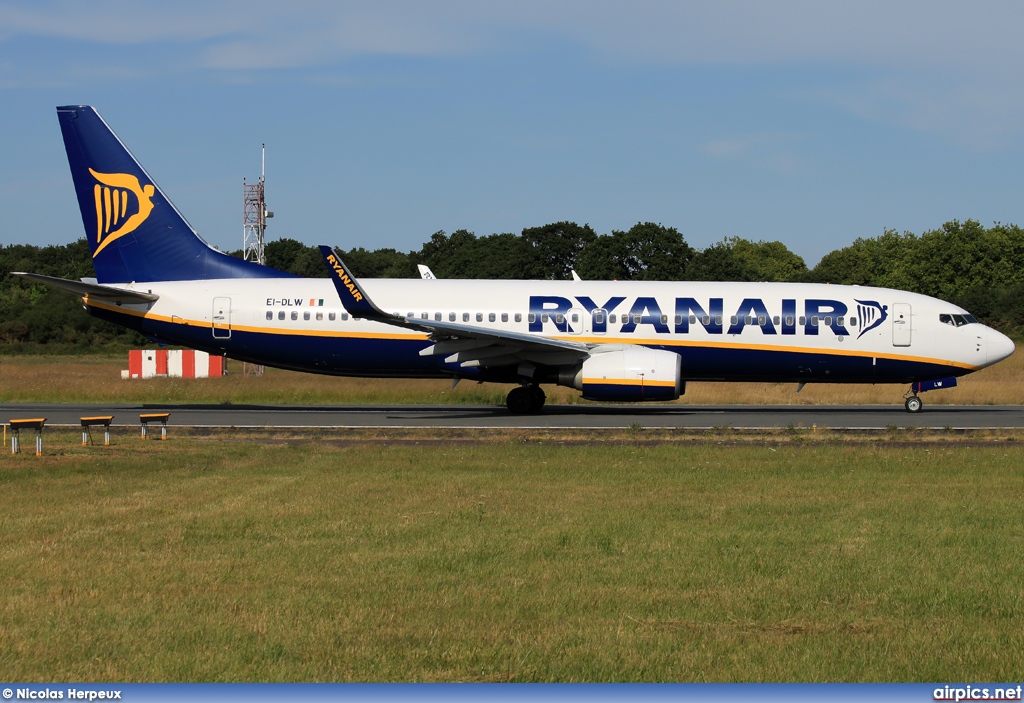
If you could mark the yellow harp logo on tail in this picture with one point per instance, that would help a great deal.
(112, 194)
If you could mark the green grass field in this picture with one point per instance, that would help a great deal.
(231, 559)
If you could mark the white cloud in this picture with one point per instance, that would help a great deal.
(726, 148)
(943, 66)
(955, 35)
(769, 151)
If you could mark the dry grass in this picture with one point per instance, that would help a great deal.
(26, 379)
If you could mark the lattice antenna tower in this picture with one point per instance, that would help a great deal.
(254, 229)
(255, 215)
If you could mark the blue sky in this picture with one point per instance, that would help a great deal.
(811, 123)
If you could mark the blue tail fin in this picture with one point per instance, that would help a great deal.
(134, 232)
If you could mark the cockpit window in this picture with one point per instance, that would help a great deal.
(957, 320)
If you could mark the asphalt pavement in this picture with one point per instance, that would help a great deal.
(593, 417)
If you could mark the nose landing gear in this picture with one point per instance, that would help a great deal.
(913, 404)
(525, 400)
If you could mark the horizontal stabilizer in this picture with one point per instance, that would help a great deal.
(93, 290)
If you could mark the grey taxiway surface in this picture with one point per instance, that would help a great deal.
(553, 416)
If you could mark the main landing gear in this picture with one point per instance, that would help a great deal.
(525, 400)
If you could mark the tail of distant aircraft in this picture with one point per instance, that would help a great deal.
(135, 233)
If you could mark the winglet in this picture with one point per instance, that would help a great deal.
(353, 298)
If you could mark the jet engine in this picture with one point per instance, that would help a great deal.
(627, 374)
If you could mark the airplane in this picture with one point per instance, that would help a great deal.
(621, 341)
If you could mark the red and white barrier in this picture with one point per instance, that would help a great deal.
(175, 363)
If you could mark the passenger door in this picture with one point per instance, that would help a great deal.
(222, 318)
(901, 325)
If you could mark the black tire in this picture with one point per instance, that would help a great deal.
(538, 397)
(913, 404)
(520, 401)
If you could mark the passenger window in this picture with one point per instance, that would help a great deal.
(803, 320)
(748, 320)
(775, 320)
(437, 317)
(544, 317)
(679, 319)
(814, 320)
(519, 317)
(598, 318)
(491, 317)
(718, 319)
(425, 316)
(319, 316)
(706, 319)
(451, 317)
(332, 316)
(559, 318)
(344, 316)
(504, 317)
(270, 315)
(465, 317)
(839, 320)
(480, 317)
(789, 320)
(733, 320)
(305, 315)
(280, 315)
(828, 321)
(761, 320)
(532, 317)
(693, 320)
(295, 314)
(853, 322)
(575, 317)
(664, 319)
(611, 318)
(636, 319)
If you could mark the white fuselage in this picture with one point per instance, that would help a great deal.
(723, 331)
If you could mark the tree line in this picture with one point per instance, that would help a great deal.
(979, 268)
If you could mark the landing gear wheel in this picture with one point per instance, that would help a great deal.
(525, 400)
(538, 397)
(520, 401)
(913, 404)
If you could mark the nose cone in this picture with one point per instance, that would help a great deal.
(998, 345)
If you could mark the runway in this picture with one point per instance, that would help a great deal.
(594, 417)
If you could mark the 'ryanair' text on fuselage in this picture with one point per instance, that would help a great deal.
(814, 313)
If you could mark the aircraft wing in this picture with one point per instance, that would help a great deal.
(467, 345)
(93, 290)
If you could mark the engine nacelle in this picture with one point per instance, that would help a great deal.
(630, 374)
